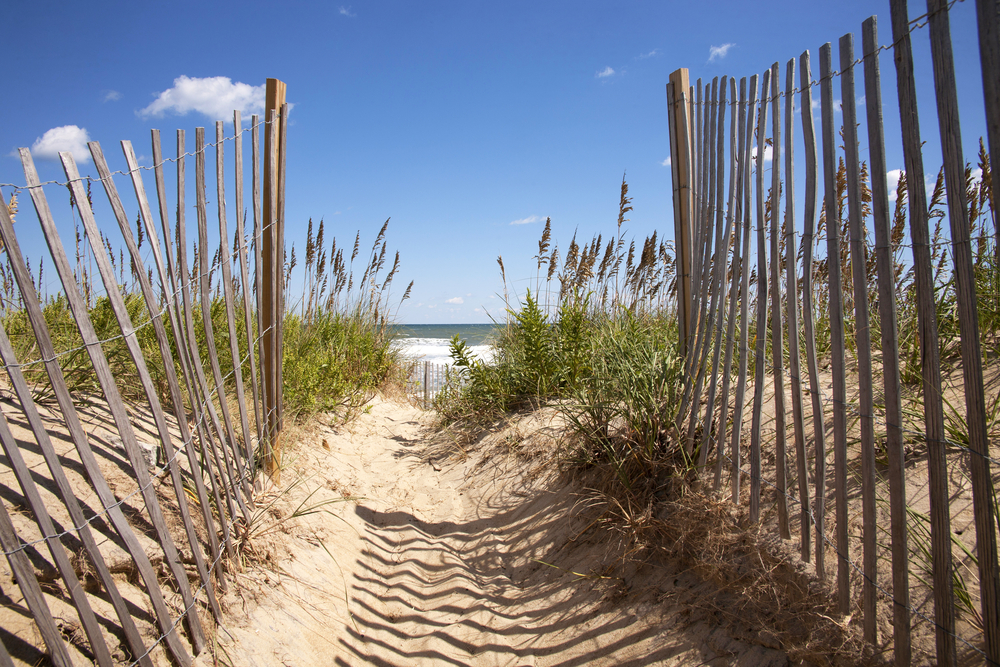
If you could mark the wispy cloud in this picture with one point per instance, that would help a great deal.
(527, 221)
(817, 103)
(112, 96)
(767, 153)
(215, 97)
(718, 52)
(666, 163)
(66, 138)
(892, 180)
(648, 55)
(605, 73)
(456, 300)
(346, 11)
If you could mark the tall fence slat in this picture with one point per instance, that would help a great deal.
(172, 293)
(862, 336)
(890, 348)
(760, 350)
(69, 499)
(930, 350)
(65, 401)
(202, 394)
(32, 592)
(741, 384)
(736, 210)
(227, 290)
(48, 530)
(808, 312)
(244, 270)
(792, 301)
(968, 320)
(777, 338)
(166, 355)
(713, 222)
(832, 207)
(230, 446)
(721, 262)
(111, 392)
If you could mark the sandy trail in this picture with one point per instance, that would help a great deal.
(492, 560)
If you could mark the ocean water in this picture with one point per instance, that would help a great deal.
(430, 342)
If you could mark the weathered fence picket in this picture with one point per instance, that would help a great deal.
(870, 469)
(219, 454)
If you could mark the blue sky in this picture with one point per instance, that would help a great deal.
(455, 119)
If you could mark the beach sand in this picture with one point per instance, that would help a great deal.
(401, 555)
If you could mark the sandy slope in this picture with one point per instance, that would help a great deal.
(490, 560)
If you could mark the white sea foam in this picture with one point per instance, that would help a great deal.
(437, 350)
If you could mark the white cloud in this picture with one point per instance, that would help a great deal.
(817, 103)
(346, 11)
(666, 163)
(892, 180)
(66, 138)
(527, 221)
(649, 55)
(605, 73)
(767, 154)
(718, 52)
(456, 300)
(215, 97)
(112, 96)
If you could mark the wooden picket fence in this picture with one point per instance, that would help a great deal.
(713, 218)
(212, 440)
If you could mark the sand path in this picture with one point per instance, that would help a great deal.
(491, 560)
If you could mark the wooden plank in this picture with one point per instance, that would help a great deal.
(736, 211)
(890, 347)
(183, 350)
(777, 338)
(258, 274)
(680, 161)
(792, 299)
(116, 406)
(759, 352)
(227, 291)
(829, 135)
(65, 400)
(271, 266)
(701, 166)
(972, 359)
(280, 320)
(244, 272)
(808, 311)
(273, 261)
(24, 395)
(741, 385)
(724, 219)
(233, 449)
(202, 396)
(48, 530)
(166, 356)
(930, 359)
(862, 338)
(65, 490)
(708, 295)
(32, 592)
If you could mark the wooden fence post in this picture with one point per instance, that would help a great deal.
(272, 246)
(680, 167)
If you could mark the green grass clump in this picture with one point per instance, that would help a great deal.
(602, 348)
(333, 361)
